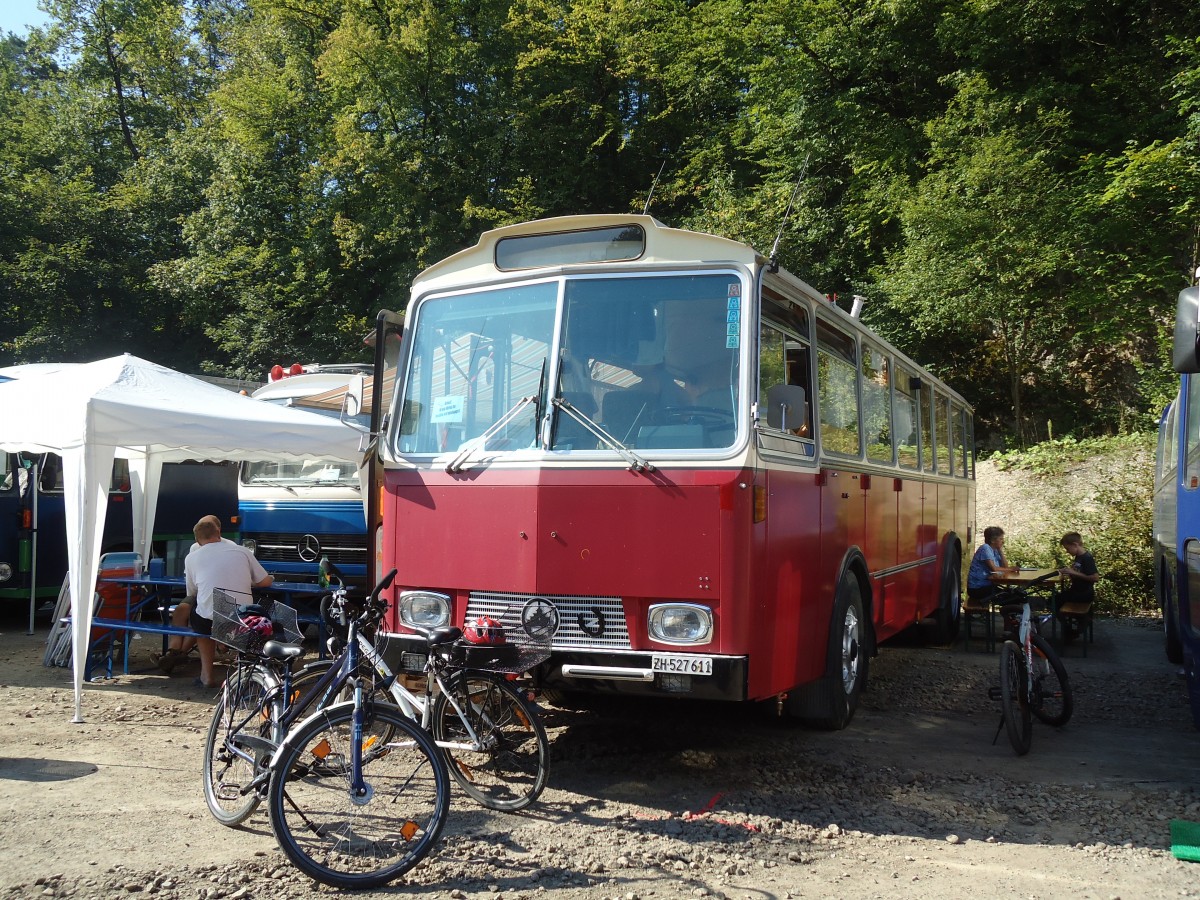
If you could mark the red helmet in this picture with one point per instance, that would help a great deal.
(259, 624)
(483, 630)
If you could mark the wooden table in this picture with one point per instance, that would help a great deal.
(1001, 597)
(1022, 577)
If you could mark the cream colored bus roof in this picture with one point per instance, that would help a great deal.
(663, 245)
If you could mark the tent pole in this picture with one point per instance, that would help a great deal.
(33, 521)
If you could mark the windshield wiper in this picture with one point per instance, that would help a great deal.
(267, 482)
(636, 463)
(468, 449)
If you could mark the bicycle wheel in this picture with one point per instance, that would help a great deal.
(249, 705)
(1017, 719)
(1051, 700)
(508, 770)
(350, 841)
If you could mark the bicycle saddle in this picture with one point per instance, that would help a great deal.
(435, 637)
(281, 651)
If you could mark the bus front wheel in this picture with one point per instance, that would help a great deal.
(830, 702)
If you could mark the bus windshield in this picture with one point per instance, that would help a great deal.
(309, 473)
(645, 361)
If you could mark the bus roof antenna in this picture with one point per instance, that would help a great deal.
(773, 261)
(650, 196)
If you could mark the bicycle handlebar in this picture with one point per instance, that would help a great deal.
(373, 608)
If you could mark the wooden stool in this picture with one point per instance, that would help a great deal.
(1078, 614)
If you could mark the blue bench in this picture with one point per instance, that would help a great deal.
(166, 630)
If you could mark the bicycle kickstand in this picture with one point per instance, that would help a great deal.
(999, 728)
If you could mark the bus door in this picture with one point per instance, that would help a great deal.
(790, 542)
(880, 494)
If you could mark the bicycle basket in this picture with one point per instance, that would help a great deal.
(246, 627)
(517, 651)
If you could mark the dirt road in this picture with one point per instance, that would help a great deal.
(674, 800)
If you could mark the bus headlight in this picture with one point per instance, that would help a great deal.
(5, 571)
(680, 623)
(250, 544)
(424, 609)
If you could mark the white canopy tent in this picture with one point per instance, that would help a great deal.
(129, 408)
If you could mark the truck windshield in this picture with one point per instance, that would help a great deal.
(653, 360)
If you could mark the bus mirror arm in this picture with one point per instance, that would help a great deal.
(787, 406)
(636, 463)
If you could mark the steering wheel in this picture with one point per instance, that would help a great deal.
(710, 417)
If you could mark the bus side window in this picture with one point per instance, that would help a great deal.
(877, 412)
(1191, 475)
(905, 415)
(837, 391)
(783, 390)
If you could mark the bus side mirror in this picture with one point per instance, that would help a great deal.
(1185, 357)
(352, 403)
(787, 407)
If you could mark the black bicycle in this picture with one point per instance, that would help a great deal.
(357, 793)
(1033, 680)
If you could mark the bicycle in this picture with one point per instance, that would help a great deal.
(357, 793)
(1033, 680)
(491, 735)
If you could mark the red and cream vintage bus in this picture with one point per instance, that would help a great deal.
(693, 471)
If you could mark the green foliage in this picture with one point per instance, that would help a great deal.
(1013, 187)
(1115, 518)
(1052, 458)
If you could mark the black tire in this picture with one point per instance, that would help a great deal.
(830, 702)
(1174, 644)
(358, 842)
(249, 704)
(510, 769)
(1051, 700)
(949, 599)
(1018, 721)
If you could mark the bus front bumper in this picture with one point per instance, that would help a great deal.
(628, 672)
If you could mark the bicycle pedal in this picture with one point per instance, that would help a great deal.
(994, 694)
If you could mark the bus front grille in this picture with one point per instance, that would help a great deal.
(590, 623)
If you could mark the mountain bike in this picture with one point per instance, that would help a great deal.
(357, 793)
(1033, 680)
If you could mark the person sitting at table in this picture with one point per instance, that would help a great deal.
(989, 560)
(213, 562)
(1082, 576)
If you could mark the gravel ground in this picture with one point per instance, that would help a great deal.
(660, 800)
(652, 800)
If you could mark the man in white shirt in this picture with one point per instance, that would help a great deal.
(212, 563)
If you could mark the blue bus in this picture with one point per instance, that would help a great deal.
(1177, 502)
(31, 492)
(294, 514)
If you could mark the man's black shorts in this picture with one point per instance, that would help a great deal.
(199, 624)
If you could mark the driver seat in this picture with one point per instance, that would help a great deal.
(623, 411)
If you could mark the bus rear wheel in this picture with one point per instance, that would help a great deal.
(949, 600)
(830, 702)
